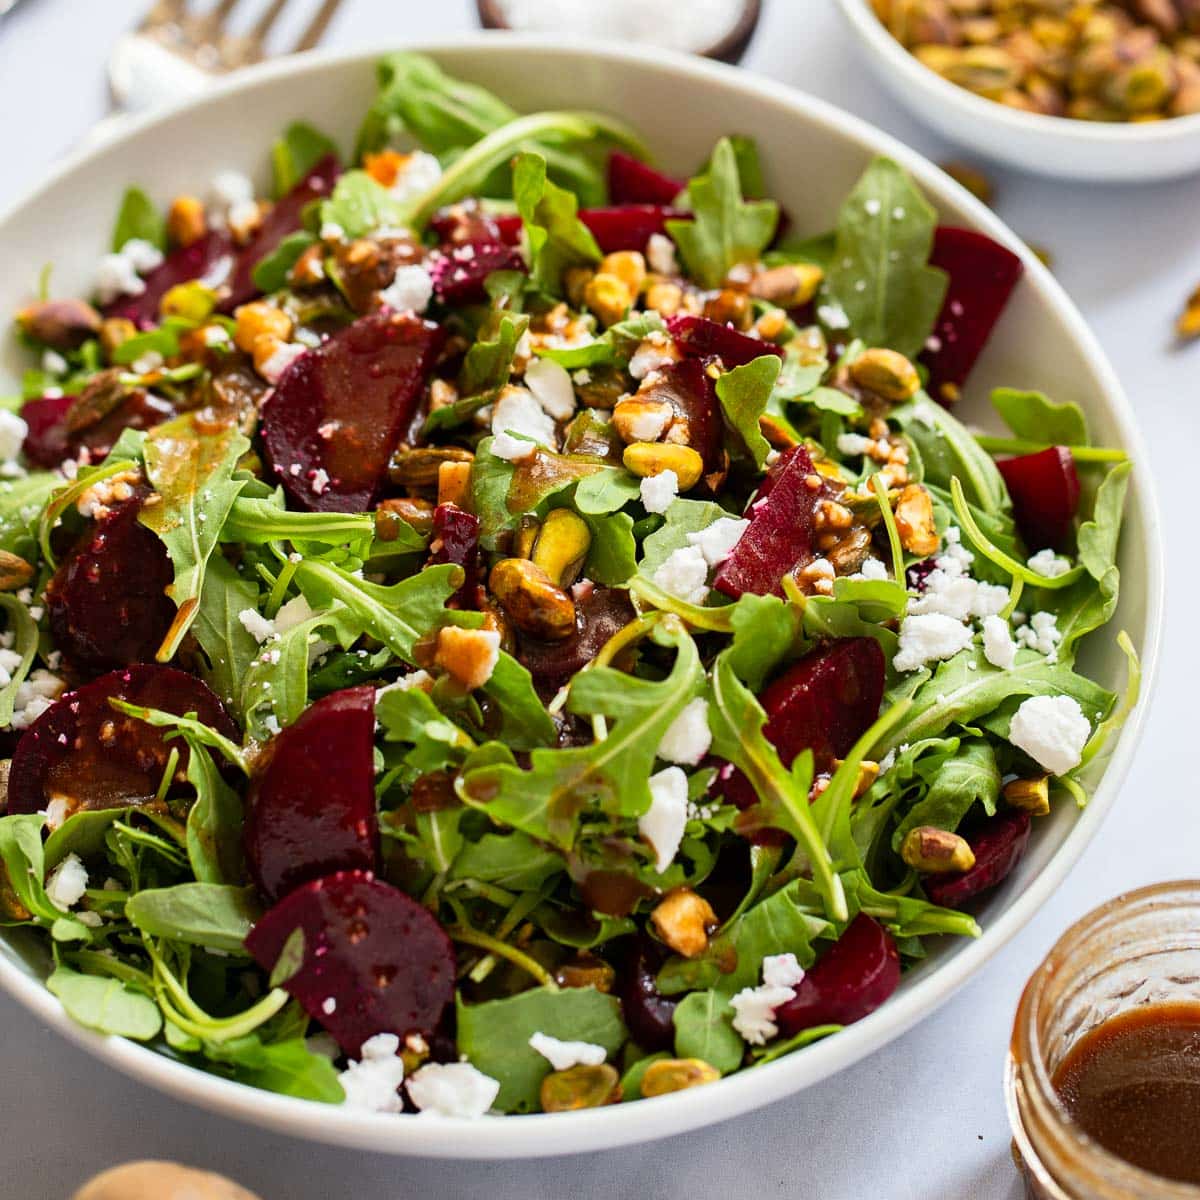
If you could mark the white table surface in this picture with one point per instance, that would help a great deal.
(922, 1118)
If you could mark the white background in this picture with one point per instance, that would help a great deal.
(921, 1118)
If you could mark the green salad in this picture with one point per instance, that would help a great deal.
(492, 627)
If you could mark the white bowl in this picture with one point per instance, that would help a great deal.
(813, 153)
(1068, 149)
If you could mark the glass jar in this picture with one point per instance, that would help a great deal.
(1140, 948)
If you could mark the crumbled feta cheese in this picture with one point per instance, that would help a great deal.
(146, 364)
(417, 175)
(998, 645)
(57, 810)
(278, 361)
(873, 569)
(660, 254)
(1040, 634)
(116, 277)
(53, 363)
(452, 1090)
(517, 412)
(564, 1055)
(851, 445)
(833, 316)
(411, 290)
(955, 558)
(295, 612)
(257, 626)
(659, 490)
(662, 824)
(688, 737)
(142, 255)
(754, 1008)
(67, 883)
(684, 574)
(1052, 730)
(10, 660)
(512, 449)
(229, 188)
(647, 425)
(551, 387)
(93, 920)
(655, 351)
(13, 431)
(716, 541)
(419, 680)
(371, 1083)
(929, 637)
(470, 655)
(1049, 564)
(34, 696)
(331, 231)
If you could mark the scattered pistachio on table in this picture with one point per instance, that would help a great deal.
(1187, 324)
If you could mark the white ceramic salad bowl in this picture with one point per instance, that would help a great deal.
(813, 153)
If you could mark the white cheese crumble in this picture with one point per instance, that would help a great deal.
(411, 290)
(280, 359)
(1052, 730)
(649, 424)
(851, 445)
(662, 824)
(998, 645)
(331, 231)
(452, 1090)
(371, 1083)
(229, 189)
(1041, 634)
(551, 387)
(53, 363)
(295, 612)
(257, 626)
(13, 431)
(716, 542)
(142, 255)
(417, 174)
(34, 696)
(660, 255)
(116, 276)
(67, 883)
(655, 351)
(470, 655)
(930, 637)
(754, 1008)
(659, 490)
(562, 1056)
(1049, 564)
(688, 737)
(872, 569)
(518, 421)
(684, 574)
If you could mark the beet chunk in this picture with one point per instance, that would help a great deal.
(631, 181)
(823, 702)
(459, 272)
(84, 751)
(698, 337)
(284, 217)
(456, 540)
(467, 223)
(51, 439)
(779, 539)
(998, 845)
(209, 258)
(849, 981)
(107, 601)
(629, 226)
(375, 961)
(649, 1014)
(1045, 493)
(982, 276)
(334, 418)
(598, 615)
(311, 809)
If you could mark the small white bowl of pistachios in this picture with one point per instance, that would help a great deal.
(1108, 92)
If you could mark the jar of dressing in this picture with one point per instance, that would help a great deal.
(1103, 1076)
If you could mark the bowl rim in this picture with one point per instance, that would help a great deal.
(1098, 134)
(542, 1135)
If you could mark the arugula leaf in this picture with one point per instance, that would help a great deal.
(614, 347)
(228, 647)
(513, 861)
(606, 491)
(1097, 537)
(487, 365)
(743, 393)
(494, 1036)
(765, 632)
(25, 642)
(360, 205)
(726, 230)
(191, 469)
(106, 1005)
(257, 522)
(703, 1030)
(287, 1067)
(879, 275)
(1035, 416)
(217, 916)
(491, 479)
(214, 822)
(23, 860)
(139, 217)
(410, 716)
(612, 556)
(557, 237)
(296, 153)
(271, 271)
(969, 776)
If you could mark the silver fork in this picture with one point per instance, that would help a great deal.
(175, 49)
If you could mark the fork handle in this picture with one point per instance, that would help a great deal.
(143, 74)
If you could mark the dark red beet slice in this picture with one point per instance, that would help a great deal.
(1045, 493)
(823, 702)
(375, 961)
(456, 540)
(998, 845)
(631, 181)
(459, 272)
(311, 808)
(83, 750)
(107, 601)
(649, 1014)
(698, 337)
(848, 982)
(467, 222)
(209, 258)
(334, 418)
(780, 536)
(628, 227)
(49, 441)
(690, 390)
(598, 615)
(982, 276)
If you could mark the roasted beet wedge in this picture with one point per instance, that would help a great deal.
(849, 981)
(107, 601)
(311, 808)
(1045, 493)
(631, 181)
(210, 259)
(51, 439)
(284, 217)
(598, 615)
(83, 751)
(982, 276)
(698, 337)
(628, 227)
(690, 391)
(998, 845)
(336, 415)
(466, 222)
(374, 960)
(649, 1014)
(459, 272)
(456, 540)
(780, 537)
